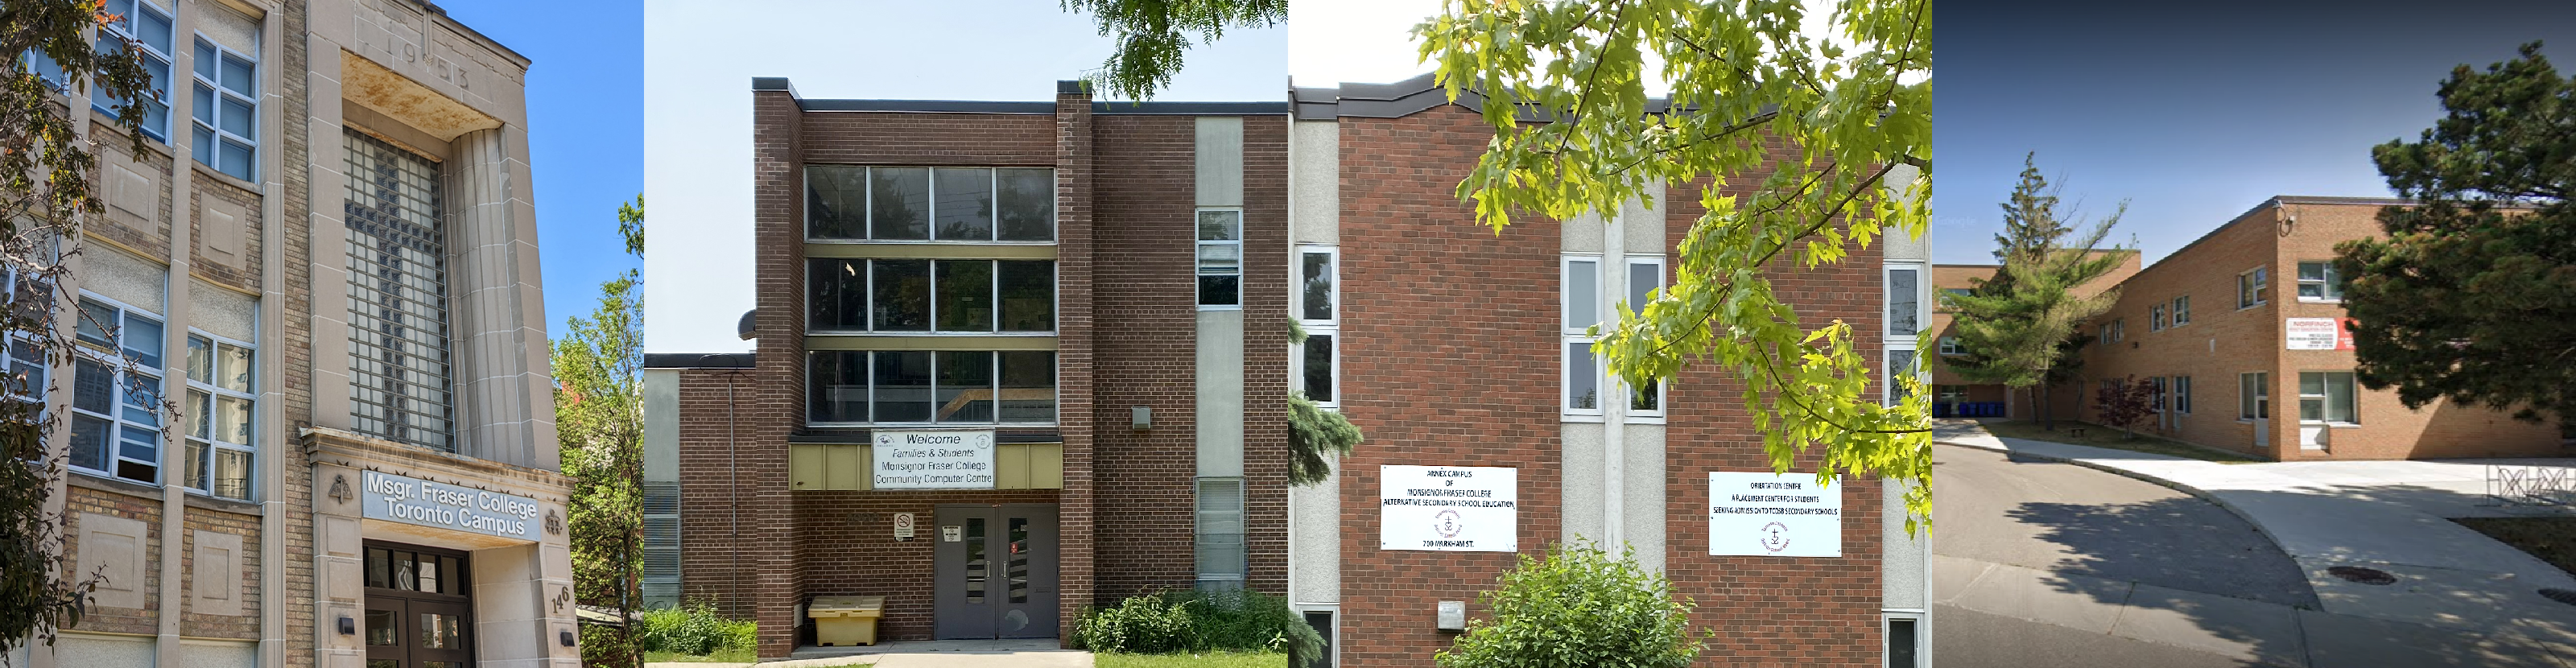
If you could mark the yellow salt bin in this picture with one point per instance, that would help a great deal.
(846, 621)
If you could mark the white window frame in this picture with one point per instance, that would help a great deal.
(1570, 335)
(1950, 346)
(1922, 299)
(44, 375)
(1887, 388)
(2119, 329)
(212, 118)
(1199, 266)
(2251, 286)
(1662, 389)
(125, 29)
(1922, 636)
(2258, 404)
(121, 369)
(2156, 317)
(2326, 400)
(1331, 325)
(2329, 284)
(2181, 310)
(2157, 403)
(807, 380)
(216, 446)
(2182, 394)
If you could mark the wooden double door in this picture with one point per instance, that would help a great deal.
(420, 608)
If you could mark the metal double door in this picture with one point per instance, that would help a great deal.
(996, 571)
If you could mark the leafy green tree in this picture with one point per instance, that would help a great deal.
(46, 190)
(2472, 297)
(1803, 147)
(1152, 35)
(2024, 324)
(599, 424)
(1578, 607)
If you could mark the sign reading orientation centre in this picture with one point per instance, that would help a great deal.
(2317, 333)
(934, 460)
(1772, 515)
(1449, 508)
(412, 500)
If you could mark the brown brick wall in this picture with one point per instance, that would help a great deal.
(1265, 341)
(1146, 311)
(1773, 611)
(104, 619)
(1449, 357)
(849, 548)
(243, 626)
(2223, 341)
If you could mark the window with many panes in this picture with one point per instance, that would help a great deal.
(2320, 282)
(854, 203)
(852, 387)
(398, 340)
(2252, 287)
(225, 128)
(1317, 362)
(1582, 299)
(2254, 396)
(218, 416)
(2327, 396)
(2182, 310)
(1645, 276)
(116, 395)
(921, 295)
(1220, 263)
(151, 27)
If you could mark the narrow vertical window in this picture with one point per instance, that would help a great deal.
(1904, 307)
(116, 396)
(2182, 310)
(218, 416)
(1581, 296)
(1219, 533)
(2252, 287)
(1645, 278)
(1900, 364)
(225, 109)
(2253, 396)
(1317, 361)
(398, 338)
(152, 28)
(1220, 263)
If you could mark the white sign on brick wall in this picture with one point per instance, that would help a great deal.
(1449, 508)
(950, 459)
(1772, 515)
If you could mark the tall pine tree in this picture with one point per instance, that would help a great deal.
(2472, 297)
(2020, 325)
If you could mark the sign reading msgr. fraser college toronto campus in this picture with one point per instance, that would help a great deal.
(934, 460)
(415, 501)
(1449, 508)
(1772, 515)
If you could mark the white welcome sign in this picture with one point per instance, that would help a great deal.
(1449, 508)
(410, 500)
(1771, 515)
(949, 459)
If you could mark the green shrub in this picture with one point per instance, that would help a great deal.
(1578, 607)
(1199, 622)
(693, 629)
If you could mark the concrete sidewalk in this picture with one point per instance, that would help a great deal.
(2324, 516)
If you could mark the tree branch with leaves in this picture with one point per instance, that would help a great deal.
(1152, 35)
(1794, 142)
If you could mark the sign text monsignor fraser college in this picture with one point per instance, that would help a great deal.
(1449, 508)
(412, 500)
(933, 460)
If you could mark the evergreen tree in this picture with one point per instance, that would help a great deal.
(2020, 325)
(2472, 297)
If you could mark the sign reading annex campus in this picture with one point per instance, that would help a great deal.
(412, 500)
(933, 460)
(1771, 515)
(1449, 508)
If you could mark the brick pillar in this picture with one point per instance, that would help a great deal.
(777, 384)
(1073, 351)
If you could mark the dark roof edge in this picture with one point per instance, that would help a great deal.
(2274, 202)
(697, 361)
(1047, 108)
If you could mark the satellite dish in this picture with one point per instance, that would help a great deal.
(744, 327)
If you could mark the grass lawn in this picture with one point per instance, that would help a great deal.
(720, 656)
(1208, 660)
(2552, 539)
(2106, 437)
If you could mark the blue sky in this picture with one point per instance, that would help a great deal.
(699, 59)
(585, 113)
(2195, 110)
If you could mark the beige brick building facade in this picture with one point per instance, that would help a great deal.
(326, 258)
